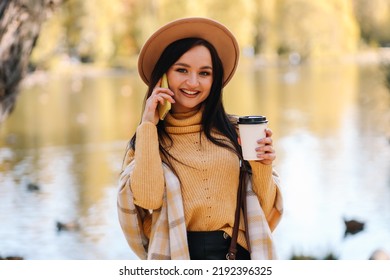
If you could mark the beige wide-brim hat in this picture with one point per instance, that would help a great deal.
(196, 27)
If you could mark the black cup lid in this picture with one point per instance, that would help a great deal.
(252, 120)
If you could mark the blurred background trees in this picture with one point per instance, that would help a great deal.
(374, 21)
(20, 25)
(110, 33)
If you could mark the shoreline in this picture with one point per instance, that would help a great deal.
(69, 67)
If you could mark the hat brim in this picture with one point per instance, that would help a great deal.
(212, 31)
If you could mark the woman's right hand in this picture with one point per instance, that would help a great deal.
(159, 95)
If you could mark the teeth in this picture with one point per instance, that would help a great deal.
(190, 92)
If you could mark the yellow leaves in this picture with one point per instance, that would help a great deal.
(109, 31)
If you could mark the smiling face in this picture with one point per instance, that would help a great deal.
(190, 78)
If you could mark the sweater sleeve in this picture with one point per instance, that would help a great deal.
(147, 178)
(265, 185)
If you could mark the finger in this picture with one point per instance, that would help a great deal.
(161, 91)
(156, 88)
(160, 97)
(268, 132)
(166, 91)
(265, 149)
(265, 141)
(266, 158)
(166, 97)
(158, 83)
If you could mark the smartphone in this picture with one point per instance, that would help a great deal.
(163, 109)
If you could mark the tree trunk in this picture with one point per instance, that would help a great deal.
(20, 24)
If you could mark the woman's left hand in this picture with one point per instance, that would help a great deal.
(265, 151)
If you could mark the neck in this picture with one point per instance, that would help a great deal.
(184, 122)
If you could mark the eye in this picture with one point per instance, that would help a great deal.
(181, 70)
(205, 73)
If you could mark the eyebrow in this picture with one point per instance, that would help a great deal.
(186, 65)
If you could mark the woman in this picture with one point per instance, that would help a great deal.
(181, 176)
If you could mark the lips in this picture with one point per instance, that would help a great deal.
(190, 92)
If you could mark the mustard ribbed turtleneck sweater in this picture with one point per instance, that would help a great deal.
(208, 174)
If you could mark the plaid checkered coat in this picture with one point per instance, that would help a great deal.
(168, 238)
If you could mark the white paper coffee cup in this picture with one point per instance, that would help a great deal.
(252, 128)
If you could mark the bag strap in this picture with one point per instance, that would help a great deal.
(231, 255)
(241, 204)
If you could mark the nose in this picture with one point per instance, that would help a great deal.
(192, 80)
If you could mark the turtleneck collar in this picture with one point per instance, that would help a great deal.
(180, 123)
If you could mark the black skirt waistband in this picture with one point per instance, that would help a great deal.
(212, 245)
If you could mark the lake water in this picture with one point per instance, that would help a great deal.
(68, 134)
